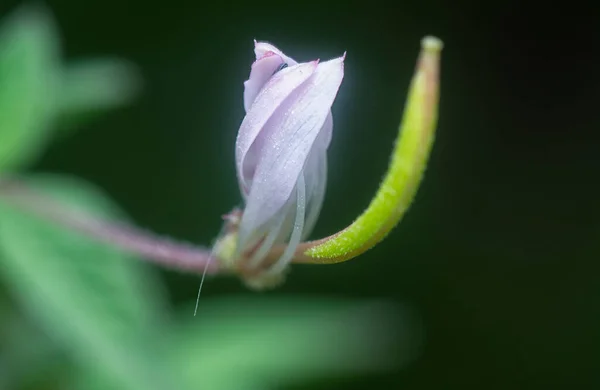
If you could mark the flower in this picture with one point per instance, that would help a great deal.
(281, 151)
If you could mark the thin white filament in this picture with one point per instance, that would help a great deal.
(210, 258)
(202, 281)
(296, 235)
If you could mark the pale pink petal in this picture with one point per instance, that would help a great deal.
(327, 131)
(290, 135)
(271, 96)
(262, 70)
(316, 176)
(261, 48)
(297, 231)
(271, 235)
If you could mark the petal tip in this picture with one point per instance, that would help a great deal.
(268, 53)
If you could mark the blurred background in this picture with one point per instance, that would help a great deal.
(496, 261)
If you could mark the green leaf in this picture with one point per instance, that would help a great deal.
(92, 87)
(29, 71)
(242, 343)
(98, 303)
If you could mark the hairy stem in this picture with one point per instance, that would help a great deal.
(159, 250)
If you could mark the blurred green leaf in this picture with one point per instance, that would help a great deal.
(100, 304)
(241, 343)
(91, 87)
(29, 71)
(37, 89)
(30, 357)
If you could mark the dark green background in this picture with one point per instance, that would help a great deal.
(498, 255)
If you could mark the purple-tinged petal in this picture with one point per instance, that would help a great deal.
(316, 173)
(276, 231)
(290, 136)
(271, 235)
(316, 183)
(297, 230)
(327, 131)
(261, 48)
(262, 70)
(274, 93)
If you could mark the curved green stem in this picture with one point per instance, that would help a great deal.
(405, 172)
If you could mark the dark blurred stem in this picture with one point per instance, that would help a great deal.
(159, 250)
